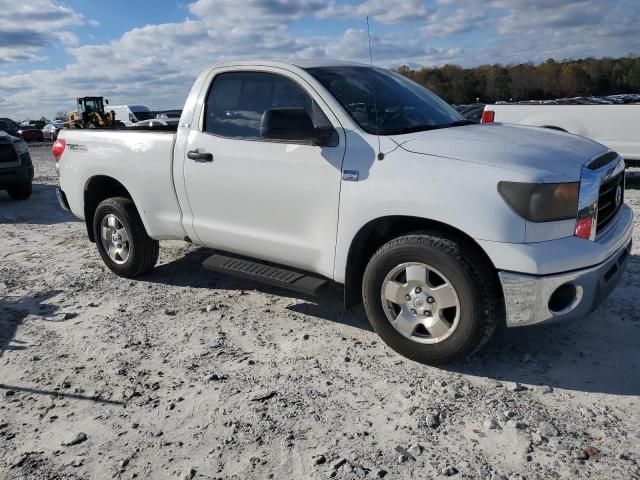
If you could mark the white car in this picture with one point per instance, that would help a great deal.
(315, 171)
(130, 115)
(158, 122)
(615, 126)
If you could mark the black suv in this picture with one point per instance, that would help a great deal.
(16, 168)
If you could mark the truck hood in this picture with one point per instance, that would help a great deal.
(541, 154)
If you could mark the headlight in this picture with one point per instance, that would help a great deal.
(20, 147)
(542, 202)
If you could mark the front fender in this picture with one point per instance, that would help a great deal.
(459, 194)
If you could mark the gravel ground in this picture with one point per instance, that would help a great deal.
(189, 374)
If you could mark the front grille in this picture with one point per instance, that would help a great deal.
(610, 200)
(7, 153)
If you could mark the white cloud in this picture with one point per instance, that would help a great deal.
(67, 38)
(26, 27)
(443, 23)
(37, 15)
(399, 12)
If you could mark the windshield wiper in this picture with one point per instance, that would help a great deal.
(458, 123)
(412, 129)
(424, 128)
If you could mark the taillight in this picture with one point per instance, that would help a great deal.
(488, 116)
(58, 148)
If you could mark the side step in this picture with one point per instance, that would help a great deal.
(265, 273)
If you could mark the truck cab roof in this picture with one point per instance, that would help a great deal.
(301, 63)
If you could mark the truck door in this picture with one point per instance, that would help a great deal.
(272, 200)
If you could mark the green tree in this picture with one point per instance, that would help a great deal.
(550, 79)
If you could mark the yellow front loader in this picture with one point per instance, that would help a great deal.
(91, 114)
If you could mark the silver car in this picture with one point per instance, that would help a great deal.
(50, 131)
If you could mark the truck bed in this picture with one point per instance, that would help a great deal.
(159, 129)
(140, 160)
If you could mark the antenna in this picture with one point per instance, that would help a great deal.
(373, 84)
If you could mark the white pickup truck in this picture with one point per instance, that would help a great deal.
(615, 126)
(304, 172)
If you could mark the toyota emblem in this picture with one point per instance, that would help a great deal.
(618, 196)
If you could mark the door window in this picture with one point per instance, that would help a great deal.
(237, 100)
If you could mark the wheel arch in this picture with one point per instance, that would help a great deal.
(379, 231)
(97, 189)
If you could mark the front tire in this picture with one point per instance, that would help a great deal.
(22, 191)
(431, 297)
(122, 241)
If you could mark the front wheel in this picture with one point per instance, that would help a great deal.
(123, 242)
(431, 297)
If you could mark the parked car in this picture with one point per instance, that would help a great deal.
(307, 172)
(599, 101)
(30, 134)
(129, 115)
(170, 114)
(624, 98)
(471, 112)
(39, 124)
(51, 130)
(158, 122)
(9, 126)
(16, 168)
(615, 126)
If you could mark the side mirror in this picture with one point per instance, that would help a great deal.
(292, 124)
(106, 101)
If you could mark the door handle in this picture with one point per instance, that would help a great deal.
(199, 156)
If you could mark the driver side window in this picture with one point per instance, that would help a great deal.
(237, 100)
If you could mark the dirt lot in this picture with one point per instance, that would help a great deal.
(186, 374)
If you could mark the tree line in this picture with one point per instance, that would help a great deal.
(548, 80)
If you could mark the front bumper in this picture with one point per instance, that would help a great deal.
(532, 299)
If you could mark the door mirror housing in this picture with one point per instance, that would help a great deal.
(293, 124)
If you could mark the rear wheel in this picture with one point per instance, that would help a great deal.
(431, 297)
(122, 241)
(21, 191)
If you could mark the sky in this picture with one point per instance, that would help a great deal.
(149, 51)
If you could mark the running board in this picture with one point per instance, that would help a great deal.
(265, 273)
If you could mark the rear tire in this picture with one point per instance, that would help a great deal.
(21, 191)
(122, 241)
(455, 310)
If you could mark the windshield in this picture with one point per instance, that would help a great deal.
(400, 106)
(92, 105)
(144, 115)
